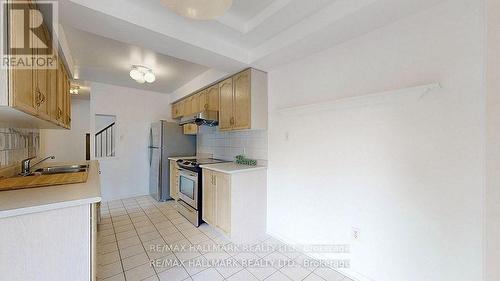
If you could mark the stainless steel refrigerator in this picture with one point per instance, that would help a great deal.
(166, 139)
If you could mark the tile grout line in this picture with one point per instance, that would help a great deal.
(135, 230)
(182, 264)
(185, 238)
(149, 219)
(118, 248)
(140, 241)
(152, 211)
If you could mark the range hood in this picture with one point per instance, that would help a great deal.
(203, 118)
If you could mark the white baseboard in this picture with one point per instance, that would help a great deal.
(345, 271)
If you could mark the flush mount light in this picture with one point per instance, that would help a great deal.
(142, 74)
(74, 90)
(149, 77)
(198, 9)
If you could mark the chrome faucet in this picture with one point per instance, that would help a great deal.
(25, 164)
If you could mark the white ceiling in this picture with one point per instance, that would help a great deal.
(101, 59)
(258, 33)
(244, 10)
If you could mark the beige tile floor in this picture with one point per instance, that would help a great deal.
(141, 239)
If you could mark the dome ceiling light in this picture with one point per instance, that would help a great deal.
(142, 74)
(198, 9)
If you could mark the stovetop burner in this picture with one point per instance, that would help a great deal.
(195, 163)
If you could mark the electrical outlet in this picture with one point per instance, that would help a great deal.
(356, 233)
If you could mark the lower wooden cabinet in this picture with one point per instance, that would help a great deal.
(217, 200)
(222, 183)
(235, 203)
(208, 197)
(174, 180)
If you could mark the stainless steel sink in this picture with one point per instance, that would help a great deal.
(62, 169)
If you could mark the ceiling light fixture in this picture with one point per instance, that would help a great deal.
(198, 9)
(74, 90)
(142, 74)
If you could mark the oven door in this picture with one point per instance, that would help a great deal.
(188, 187)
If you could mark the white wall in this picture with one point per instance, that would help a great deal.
(127, 174)
(492, 253)
(102, 121)
(69, 145)
(409, 175)
(226, 145)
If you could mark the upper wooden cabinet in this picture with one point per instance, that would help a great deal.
(67, 101)
(41, 79)
(202, 100)
(60, 100)
(226, 104)
(52, 93)
(175, 110)
(63, 99)
(190, 129)
(241, 101)
(213, 98)
(40, 92)
(20, 87)
(195, 104)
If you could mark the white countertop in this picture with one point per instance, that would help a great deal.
(32, 200)
(181, 157)
(232, 168)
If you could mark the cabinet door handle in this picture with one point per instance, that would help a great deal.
(38, 99)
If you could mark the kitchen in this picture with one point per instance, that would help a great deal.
(250, 140)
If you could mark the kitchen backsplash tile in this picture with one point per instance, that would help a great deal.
(226, 145)
(18, 144)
